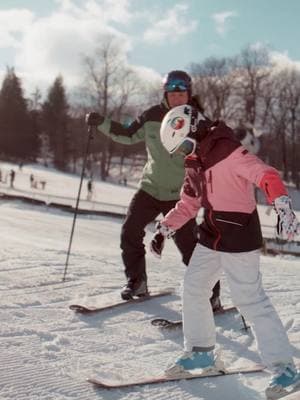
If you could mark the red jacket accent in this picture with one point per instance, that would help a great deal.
(272, 186)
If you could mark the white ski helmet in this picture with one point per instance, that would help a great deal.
(179, 128)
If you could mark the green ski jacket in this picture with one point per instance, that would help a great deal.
(163, 173)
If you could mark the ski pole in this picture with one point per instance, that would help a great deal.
(246, 327)
(90, 137)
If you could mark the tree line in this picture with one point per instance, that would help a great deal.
(245, 90)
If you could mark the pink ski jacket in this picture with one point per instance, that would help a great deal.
(220, 177)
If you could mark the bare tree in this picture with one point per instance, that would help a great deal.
(283, 121)
(291, 79)
(214, 83)
(253, 72)
(110, 86)
(278, 122)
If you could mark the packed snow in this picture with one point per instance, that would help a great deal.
(48, 351)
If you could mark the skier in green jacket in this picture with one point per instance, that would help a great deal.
(159, 186)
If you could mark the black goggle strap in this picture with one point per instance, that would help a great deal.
(194, 124)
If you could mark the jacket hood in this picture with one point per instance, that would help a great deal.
(218, 132)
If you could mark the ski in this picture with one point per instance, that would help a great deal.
(290, 394)
(168, 324)
(82, 309)
(107, 384)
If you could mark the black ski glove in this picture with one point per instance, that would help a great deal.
(93, 119)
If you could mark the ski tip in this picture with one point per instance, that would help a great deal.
(102, 385)
(160, 322)
(79, 309)
(73, 307)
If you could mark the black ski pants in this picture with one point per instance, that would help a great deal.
(142, 210)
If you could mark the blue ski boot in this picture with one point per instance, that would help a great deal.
(286, 380)
(206, 361)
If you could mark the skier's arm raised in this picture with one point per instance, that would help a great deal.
(131, 134)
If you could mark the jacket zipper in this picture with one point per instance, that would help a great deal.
(210, 181)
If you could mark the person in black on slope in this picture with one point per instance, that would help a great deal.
(159, 186)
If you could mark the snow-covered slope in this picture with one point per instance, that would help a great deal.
(61, 190)
(47, 351)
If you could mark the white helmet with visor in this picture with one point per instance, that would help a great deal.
(178, 129)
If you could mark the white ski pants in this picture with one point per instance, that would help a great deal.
(245, 283)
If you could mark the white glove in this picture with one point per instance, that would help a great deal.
(287, 224)
(158, 241)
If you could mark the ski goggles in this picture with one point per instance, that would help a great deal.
(176, 85)
(187, 147)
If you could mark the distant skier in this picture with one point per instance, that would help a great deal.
(89, 190)
(43, 184)
(160, 184)
(12, 176)
(31, 179)
(220, 174)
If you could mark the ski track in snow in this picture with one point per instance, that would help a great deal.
(47, 351)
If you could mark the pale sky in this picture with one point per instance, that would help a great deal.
(42, 39)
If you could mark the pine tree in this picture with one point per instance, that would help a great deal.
(18, 138)
(55, 123)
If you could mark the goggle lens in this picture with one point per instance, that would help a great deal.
(176, 85)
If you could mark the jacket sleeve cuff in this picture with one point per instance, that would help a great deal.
(272, 186)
